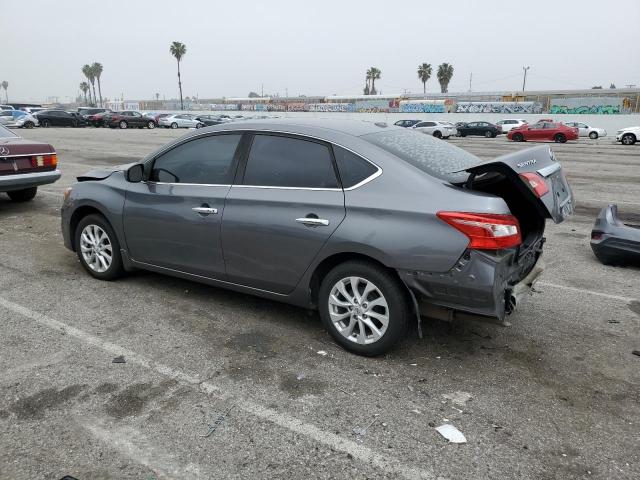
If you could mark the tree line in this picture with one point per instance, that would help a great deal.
(444, 75)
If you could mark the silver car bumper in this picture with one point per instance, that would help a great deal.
(27, 180)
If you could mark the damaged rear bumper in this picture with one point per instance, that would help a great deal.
(489, 285)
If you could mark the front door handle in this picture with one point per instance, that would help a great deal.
(312, 222)
(204, 210)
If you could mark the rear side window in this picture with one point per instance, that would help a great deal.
(430, 155)
(276, 161)
(207, 160)
(353, 168)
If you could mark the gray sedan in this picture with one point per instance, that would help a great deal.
(373, 225)
(180, 120)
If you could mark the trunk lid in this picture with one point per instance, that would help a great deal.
(556, 203)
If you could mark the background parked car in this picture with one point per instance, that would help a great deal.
(17, 118)
(25, 165)
(87, 111)
(549, 131)
(484, 129)
(128, 119)
(180, 120)
(585, 130)
(59, 118)
(406, 123)
(510, 123)
(437, 129)
(209, 120)
(628, 136)
(97, 119)
(6, 107)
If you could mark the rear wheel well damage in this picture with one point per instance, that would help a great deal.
(77, 216)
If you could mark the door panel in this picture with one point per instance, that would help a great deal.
(265, 243)
(161, 227)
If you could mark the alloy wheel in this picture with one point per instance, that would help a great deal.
(123, 124)
(358, 310)
(96, 248)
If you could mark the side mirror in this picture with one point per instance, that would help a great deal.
(135, 173)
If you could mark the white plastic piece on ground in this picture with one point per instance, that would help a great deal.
(459, 398)
(451, 433)
(322, 352)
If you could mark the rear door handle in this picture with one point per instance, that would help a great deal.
(205, 210)
(313, 222)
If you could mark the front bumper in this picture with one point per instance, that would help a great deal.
(20, 181)
(481, 283)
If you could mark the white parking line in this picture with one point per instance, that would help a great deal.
(364, 454)
(587, 292)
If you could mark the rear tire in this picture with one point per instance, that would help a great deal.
(560, 138)
(518, 137)
(115, 268)
(593, 135)
(123, 124)
(437, 134)
(628, 139)
(174, 125)
(151, 125)
(23, 195)
(350, 312)
(45, 123)
(488, 134)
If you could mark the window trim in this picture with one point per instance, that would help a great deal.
(234, 163)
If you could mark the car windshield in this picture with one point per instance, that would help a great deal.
(6, 133)
(429, 154)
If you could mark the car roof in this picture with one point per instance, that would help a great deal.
(315, 127)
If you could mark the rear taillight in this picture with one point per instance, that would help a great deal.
(535, 182)
(485, 231)
(596, 235)
(50, 160)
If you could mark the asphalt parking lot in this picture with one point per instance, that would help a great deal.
(554, 395)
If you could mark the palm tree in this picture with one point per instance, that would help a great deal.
(373, 74)
(178, 50)
(88, 72)
(84, 86)
(445, 73)
(5, 85)
(97, 72)
(424, 74)
(157, 97)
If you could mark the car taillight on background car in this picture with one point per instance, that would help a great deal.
(485, 231)
(39, 161)
(535, 182)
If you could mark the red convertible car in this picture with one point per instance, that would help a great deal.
(24, 165)
(544, 131)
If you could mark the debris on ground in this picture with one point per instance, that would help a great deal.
(360, 432)
(119, 359)
(321, 352)
(451, 433)
(300, 376)
(213, 426)
(415, 410)
(459, 398)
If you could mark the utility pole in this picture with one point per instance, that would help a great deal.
(524, 81)
(262, 90)
(470, 80)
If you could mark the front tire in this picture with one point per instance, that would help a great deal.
(488, 134)
(151, 125)
(123, 124)
(437, 134)
(628, 139)
(97, 248)
(45, 123)
(364, 307)
(174, 125)
(23, 195)
(593, 135)
(518, 137)
(560, 138)
(28, 125)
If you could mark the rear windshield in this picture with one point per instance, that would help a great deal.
(435, 157)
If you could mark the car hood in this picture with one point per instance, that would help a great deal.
(102, 173)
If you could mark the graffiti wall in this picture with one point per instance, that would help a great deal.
(375, 106)
(332, 107)
(597, 105)
(422, 106)
(498, 107)
(223, 106)
(297, 107)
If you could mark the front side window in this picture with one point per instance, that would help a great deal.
(277, 161)
(207, 160)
